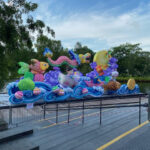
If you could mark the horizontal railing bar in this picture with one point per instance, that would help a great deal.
(76, 108)
(104, 97)
(103, 104)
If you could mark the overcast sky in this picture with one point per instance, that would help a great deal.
(99, 24)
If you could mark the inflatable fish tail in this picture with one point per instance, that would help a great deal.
(24, 68)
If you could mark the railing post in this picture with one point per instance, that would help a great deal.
(139, 110)
(83, 113)
(10, 115)
(56, 113)
(100, 111)
(44, 111)
(68, 112)
(149, 107)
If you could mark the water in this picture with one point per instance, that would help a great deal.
(144, 87)
(4, 100)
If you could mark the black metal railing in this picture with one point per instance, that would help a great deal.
(17, 114)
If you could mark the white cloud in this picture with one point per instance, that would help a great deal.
(130, 27)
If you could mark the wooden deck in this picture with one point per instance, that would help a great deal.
(88, 136)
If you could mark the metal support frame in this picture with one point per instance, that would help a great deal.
(56, 113)
(82, 106)
(44, 111)
(68, 112)
(83, 112)
(100, 113)
(139, 110)
(149, 107)
(10, 115)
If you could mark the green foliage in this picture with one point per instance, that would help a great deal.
(79, 49)
(132, 61)
(16, 42)
(137, 79)
(26, 84)
(54, 45)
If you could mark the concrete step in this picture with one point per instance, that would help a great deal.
(20, 144)
(17, 139)
(15, 133)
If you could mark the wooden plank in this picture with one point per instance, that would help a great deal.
(55, 136)
(92, 140)
(137, 140)
(78, 137)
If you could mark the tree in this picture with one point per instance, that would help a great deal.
(143, 64)
(16, 35)
(79, 49)
(54, 45)
(132, 61)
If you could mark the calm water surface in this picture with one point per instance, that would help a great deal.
(144, 87)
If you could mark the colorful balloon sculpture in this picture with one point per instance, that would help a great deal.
(73, 62)
(56, 86)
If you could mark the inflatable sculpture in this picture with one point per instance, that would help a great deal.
(37, 83)
(73, 62)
